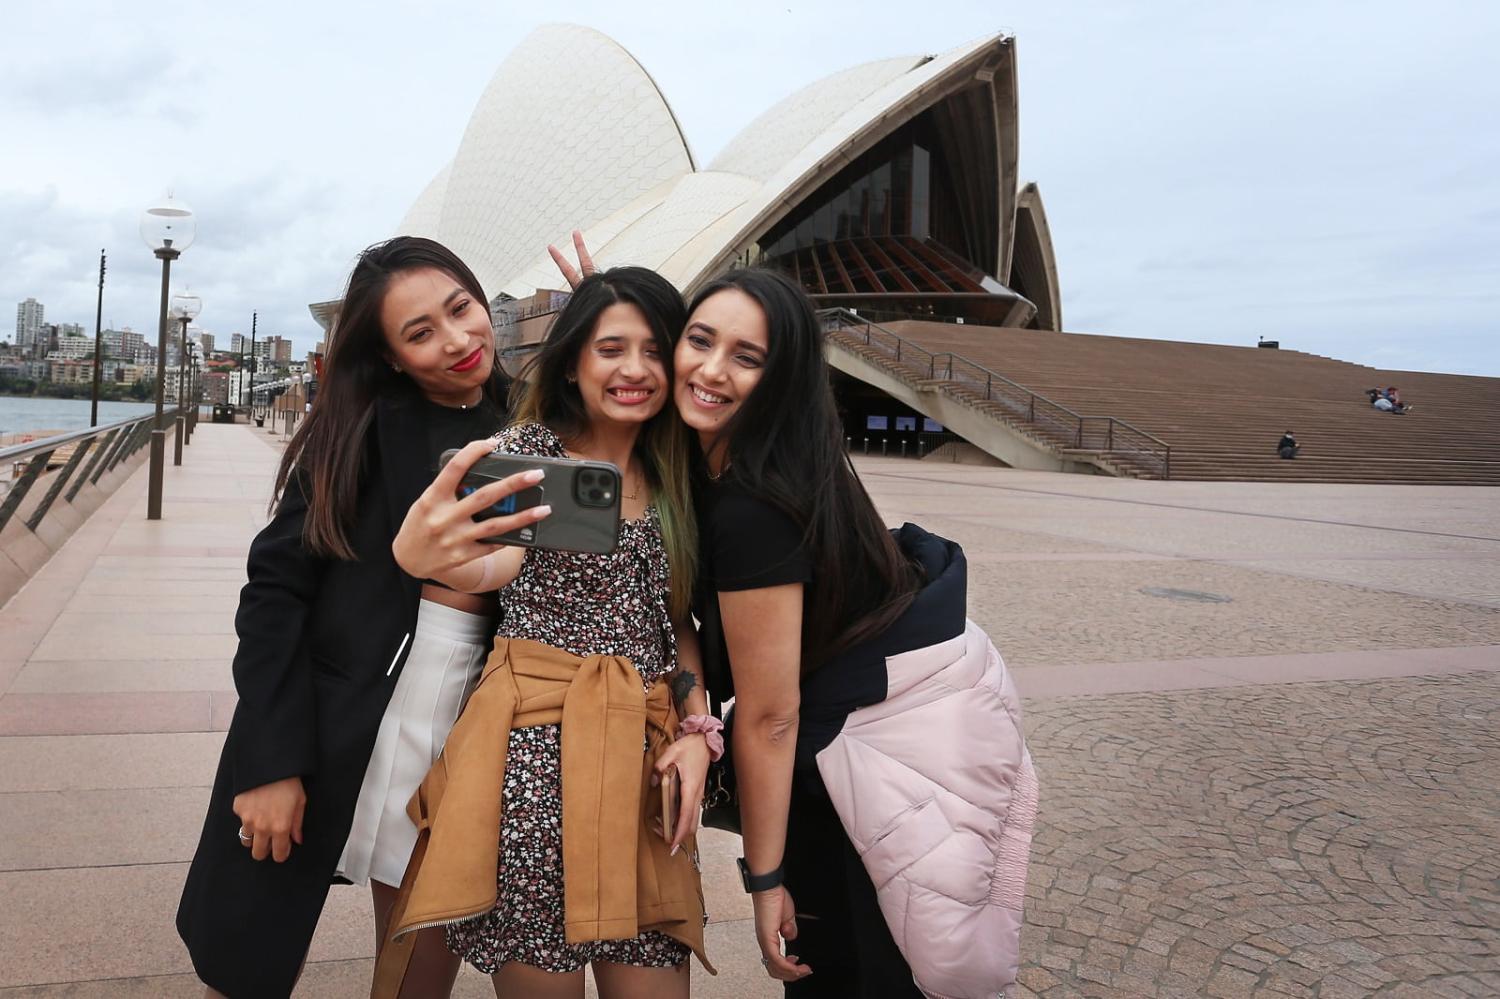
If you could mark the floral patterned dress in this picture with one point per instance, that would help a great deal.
(613, 604)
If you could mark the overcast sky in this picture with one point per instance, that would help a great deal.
(1317, 173)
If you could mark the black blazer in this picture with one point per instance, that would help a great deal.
(322, 642)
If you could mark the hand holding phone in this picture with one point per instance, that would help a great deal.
(671, 792)
(584, 497)
(439, 532)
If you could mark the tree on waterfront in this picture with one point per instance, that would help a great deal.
(15, 385)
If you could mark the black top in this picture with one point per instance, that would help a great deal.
(449, 427)
(744, 543)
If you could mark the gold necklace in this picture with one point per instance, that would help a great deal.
(634, 495)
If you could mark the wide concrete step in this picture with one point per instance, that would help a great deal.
(1220, 408)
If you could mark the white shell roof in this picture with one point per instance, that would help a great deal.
(569, 129)
(426, 213)
(653, 230)
(539, 159)
(848, 135)
(768, 142)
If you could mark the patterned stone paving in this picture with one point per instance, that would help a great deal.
(1329, 825)
(1315, 839)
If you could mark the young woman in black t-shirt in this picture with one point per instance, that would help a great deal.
(797, 566)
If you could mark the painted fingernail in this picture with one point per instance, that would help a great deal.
(673, 851)
(535, 475)
(538, 512)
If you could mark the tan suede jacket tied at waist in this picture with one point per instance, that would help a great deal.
(618, 880)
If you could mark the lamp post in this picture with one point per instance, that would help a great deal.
(253, 317)
(195, 389)
(98, 347)
(168, 228)
(185, 308)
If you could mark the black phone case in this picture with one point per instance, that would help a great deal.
(584, 496)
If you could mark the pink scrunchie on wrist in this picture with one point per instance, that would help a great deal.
(712, 730)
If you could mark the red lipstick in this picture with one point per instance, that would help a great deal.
(470, 362)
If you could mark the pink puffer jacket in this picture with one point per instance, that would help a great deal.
(936, 790)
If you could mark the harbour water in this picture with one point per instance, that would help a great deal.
(25, 415)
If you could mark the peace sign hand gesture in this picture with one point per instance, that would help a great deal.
(574, 275)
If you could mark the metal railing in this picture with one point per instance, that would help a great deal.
(1058, 425)
(96, 451)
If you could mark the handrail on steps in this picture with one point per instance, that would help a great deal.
(1115, 437)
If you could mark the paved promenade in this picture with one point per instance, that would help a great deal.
(1265, 717)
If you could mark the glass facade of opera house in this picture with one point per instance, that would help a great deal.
(909, 227)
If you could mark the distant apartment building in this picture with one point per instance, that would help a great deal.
(216, 387)
(205, 340)
(238, 342)
(71, 348)
(239, 384)
(72, 329)
(73, 372)
(274, 350)
(29, 322)
(192, 380)
(129, 374)
(122, 344)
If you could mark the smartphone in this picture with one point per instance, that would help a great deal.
(584, 496)
(671, 791)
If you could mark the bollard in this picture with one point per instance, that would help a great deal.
(882, 447)
(867, 445)
(903, 449)
(921, 448)
(177, 439)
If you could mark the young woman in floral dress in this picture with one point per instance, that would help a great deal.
(599, 389)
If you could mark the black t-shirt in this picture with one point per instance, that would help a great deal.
(449, 427)
(745, 543)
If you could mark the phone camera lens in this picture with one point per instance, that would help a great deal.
(596, 495)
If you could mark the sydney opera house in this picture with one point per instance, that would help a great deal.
(890, 186)
(890, 191)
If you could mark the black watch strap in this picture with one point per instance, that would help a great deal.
(759, 882)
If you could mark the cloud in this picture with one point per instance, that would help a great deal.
(1321, 174)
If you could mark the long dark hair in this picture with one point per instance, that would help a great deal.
(545, 395)
(328, 452)
(785, 445)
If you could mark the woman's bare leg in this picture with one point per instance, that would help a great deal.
(625, 981)
(515, 980)
(433, 967)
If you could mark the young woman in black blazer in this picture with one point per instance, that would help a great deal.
(330, 629)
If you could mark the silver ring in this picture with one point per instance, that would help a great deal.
(765, 961)
(245, 837)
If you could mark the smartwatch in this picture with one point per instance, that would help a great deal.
(759, 882)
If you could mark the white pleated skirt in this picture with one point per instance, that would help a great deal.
(448, 651)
